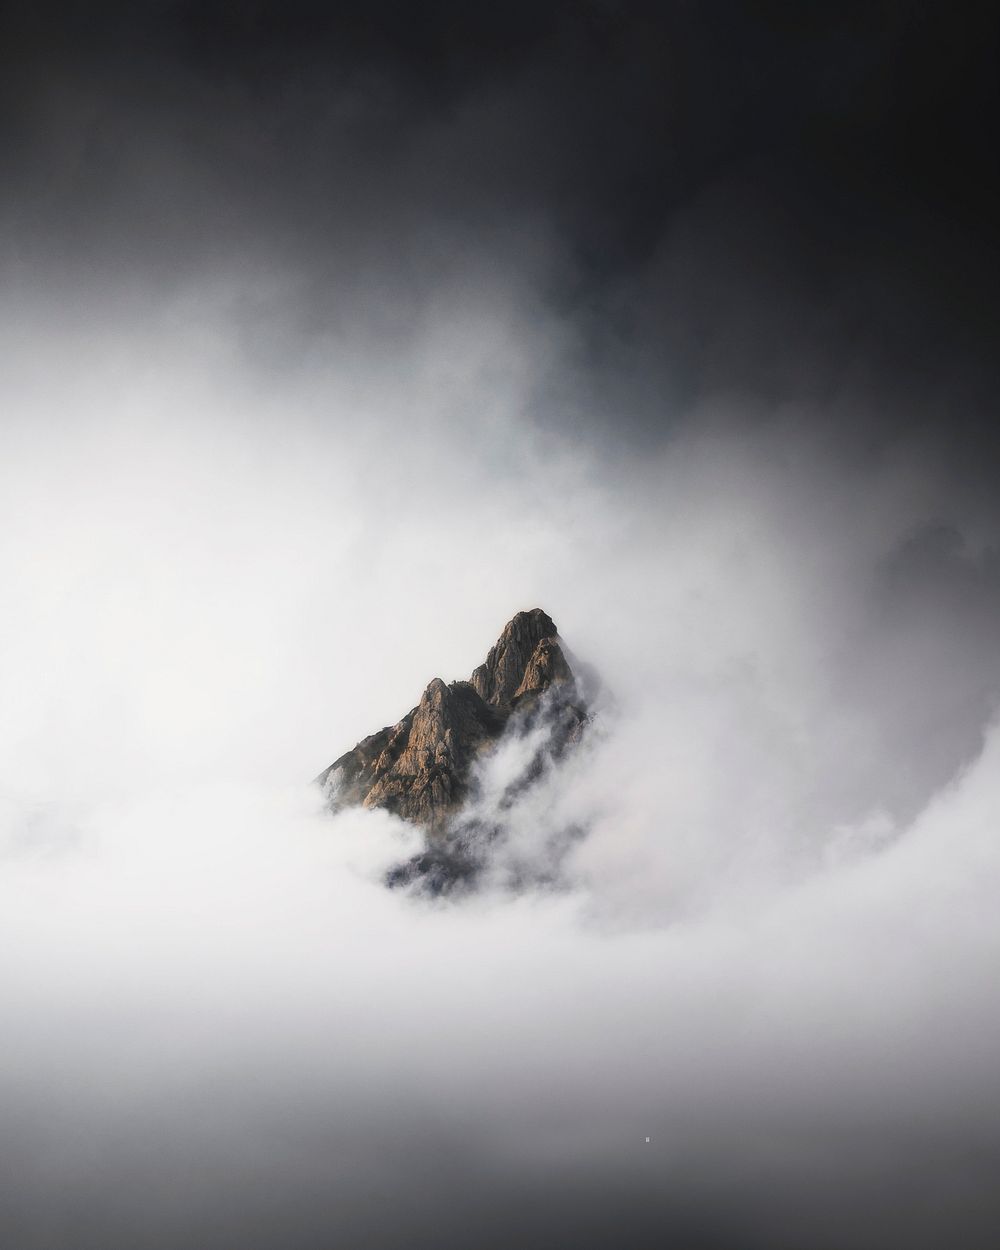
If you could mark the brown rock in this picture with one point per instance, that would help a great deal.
(419, 768)
(498, 680)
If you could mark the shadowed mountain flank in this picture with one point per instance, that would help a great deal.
(423, 768)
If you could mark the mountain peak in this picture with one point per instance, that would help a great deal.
(420, 767)
(500, 678)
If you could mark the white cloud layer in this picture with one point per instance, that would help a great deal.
(778, 951)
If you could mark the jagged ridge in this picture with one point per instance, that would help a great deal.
(419, 768)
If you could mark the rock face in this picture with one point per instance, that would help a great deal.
(500, 681)
(419, 769)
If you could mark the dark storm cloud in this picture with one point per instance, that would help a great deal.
(782, 203)
(849, 137)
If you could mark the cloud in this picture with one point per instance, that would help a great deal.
(774, 953)
(329, 342)
(219, 1020)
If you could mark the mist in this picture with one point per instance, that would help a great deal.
(330, 343)
(779, 927)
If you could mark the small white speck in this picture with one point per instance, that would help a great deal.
(647, 1139)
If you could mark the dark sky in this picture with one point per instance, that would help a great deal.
(760, 197)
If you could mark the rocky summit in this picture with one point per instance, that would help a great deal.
(421, 768)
